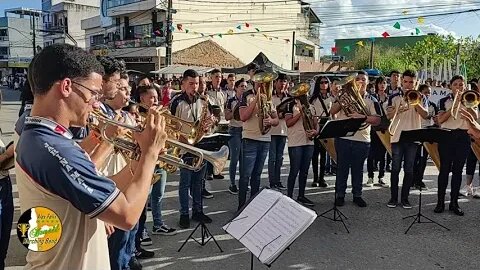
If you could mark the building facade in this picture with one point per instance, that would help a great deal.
(61, 20)
(16, 39)
(135, 30)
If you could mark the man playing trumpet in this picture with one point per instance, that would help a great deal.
(406, 109)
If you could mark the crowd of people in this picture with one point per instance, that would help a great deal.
(101, 194)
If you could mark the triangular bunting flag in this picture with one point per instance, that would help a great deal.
(276, 37)
(287, 40)
(372, 39)
(202, 34)
(252, 35)
(179, 27)
(334, 49)
(247, 25)
(396, 25)
(258, 30)
(405, 12)
(210, 36)
(421, 20)
(186, 31)
(265, 35)
(360, 43)
(417, 31)
(230, 31)
(239, 27)
(385, 35)
(347, 48)
(220, 35)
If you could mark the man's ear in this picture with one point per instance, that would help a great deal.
(65, 87)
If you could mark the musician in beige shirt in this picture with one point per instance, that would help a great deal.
(455, 148)
(353, 151)
(404, 117)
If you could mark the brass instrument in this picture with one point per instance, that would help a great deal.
(411, 98)
(300, 92)
(218, 158)
(350, 100)
(329, 145)
(264, 97)
(469, 99)
(385, 138)
(432, 149)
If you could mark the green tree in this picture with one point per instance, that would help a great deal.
(385, 59)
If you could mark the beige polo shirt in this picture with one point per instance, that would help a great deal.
(296, 133)
(218, 98)
(251, 127)
(408, 120)
(188, 110)
(318, 110)
(374, 108)
(281, 129)
(445, 104)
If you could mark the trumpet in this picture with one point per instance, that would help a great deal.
(411, 98)
(469, 99)
(175, 125)
(218, 158)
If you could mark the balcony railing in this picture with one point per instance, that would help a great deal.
(137, 43)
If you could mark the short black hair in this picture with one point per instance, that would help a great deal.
(394, 72)
(111, 65)
(252, 66)
(215, 70)
(124, 75)
(231, 75)
(237, 83)
(189, 73)
(59, 61)
(423, 87)
(457, 77)
(141, 90)
(409, 73)
(282, 77)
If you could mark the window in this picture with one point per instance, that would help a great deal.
(117, 3)
(96, 40)
(139, 31)
(3, 50)
(3, 32)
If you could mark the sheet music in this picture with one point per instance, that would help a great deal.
(272, 228)
(252, 213)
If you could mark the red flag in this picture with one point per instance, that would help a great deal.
(247, 25)
(385, 34)
(334, 49)
(179, 27)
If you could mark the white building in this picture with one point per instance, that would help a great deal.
(16, 39)
(61, 20)
(134, 30)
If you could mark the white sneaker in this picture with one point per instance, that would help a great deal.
(476, 193)
(466, 191)
(370, 182)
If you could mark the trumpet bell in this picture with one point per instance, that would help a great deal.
(471, 99)
(300, 89)
(218, 159)
(265, 77)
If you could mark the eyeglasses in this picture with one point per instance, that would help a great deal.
(95, 94)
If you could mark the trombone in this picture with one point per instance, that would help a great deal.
(469, 99)
(412, 98)
(172, 157)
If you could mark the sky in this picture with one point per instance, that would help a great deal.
(356, 13)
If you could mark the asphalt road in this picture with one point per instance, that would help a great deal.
(376, 239)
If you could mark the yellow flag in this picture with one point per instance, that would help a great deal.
(360, 43)
(230, 32)
(421, 20)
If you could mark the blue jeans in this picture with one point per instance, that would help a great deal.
(158, 189)
(405, 152)
(6, 217)
(120, 248)
(351, 155)
(235, 146)
(254, 154)
(194, 179)
(300, 157)
(275, 158)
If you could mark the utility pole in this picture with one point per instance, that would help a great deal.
(33, 34)
(293, 51)
(371, 54)
(169, 37)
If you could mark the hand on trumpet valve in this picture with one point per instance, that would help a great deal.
(152, 139)
(113, 131)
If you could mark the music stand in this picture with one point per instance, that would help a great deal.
(336, 129)
(430, 135)
(206, 236)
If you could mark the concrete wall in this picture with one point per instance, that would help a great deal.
(20, 38)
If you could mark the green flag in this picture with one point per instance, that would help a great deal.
(347, 48)
(396, 25)
(417, 31)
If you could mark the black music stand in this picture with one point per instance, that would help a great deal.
(206, 236)
(430, 135)
(336, 129)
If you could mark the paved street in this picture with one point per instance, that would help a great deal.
(376, 239)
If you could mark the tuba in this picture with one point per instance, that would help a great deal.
(350, 100)
(264, 97)
(300, 92)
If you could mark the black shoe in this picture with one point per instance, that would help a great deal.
(280, 186)
(134, 264)
(406, 204)
(392, 203)
(315, 184)
(233, 190)
(206, 194)
(218, 176)
(340, 201)
(209, 177)
(201, 217)
(359, 201)
(184, 222)
(322, 184)
(144, 254)
(456, 209)
(439, 208)
(305, 201)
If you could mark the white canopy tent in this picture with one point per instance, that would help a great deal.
(179, 69)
